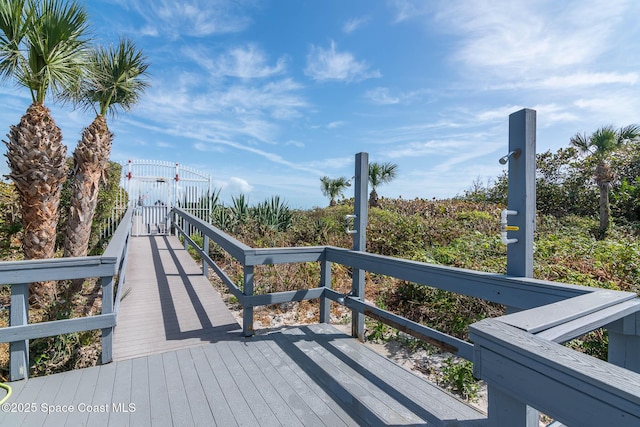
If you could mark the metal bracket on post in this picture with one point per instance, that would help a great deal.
(349, 220)
(504, 227)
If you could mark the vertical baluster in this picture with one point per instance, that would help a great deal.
(325, 281)
(19, 315)
(247, 312)
(107, 308)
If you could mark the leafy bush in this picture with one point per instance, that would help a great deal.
(10, 222)
(457, 375)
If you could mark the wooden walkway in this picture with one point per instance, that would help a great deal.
(196, 370)
(168, 304)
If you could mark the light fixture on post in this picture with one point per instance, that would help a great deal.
(515, 154)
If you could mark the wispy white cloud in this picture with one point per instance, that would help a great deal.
(295, 144)
(381, 96)
(523, 37)
(330, 64)
(332, 163)
(190, 17)
(408, 9)
(616, 107)
(528, 40)
(233, 186)
(240, 185)
(336, 124)
(496, 114)
(384, 96)
(245, 62)
(213, 136)
(354, 23)
(432, 147)
(589, 79)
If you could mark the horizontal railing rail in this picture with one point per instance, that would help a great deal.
(522, 370)
(550, 313)
(20, 275)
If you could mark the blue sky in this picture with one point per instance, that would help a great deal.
(269, 96)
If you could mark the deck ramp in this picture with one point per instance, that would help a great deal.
(166, 302)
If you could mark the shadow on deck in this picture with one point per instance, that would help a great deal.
(309, 375)
(168, 303)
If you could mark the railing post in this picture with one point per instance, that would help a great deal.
(107, 308)
(624, 342)
(522, 199)
(360, 238)
(522, 191)
(19, 315)
(247, 312)
(186, 233)
(506, 411)
(325, 281)
(205, 249)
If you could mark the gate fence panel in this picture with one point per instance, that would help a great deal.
(153, 188)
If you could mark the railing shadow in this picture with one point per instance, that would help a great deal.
(353, 403)
(208, 331)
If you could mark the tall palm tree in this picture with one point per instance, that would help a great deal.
(380, 173)
(115, 79)
(600, 144)
(42, 48)
(332, 188)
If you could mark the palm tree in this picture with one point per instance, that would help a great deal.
(114, 79)
(600, 144)
(333, 188)
(380, 173)
(41, 48)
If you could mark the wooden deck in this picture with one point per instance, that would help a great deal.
(181, 361)
(311, 375)
(168, 304)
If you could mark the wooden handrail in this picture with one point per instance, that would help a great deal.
(19, 275)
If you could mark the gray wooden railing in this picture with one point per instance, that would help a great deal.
(549, 313)
(19, 275)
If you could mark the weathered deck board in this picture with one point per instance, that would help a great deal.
(311, 375)
(167, 304)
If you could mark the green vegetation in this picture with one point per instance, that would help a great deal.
(267, 217)
(457, 376)
(458, 233)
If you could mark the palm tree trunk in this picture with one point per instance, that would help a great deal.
(37, 162)
(91, 158)
(605, 210)
(373, 199)
(603, 176)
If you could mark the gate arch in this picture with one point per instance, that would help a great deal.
(154, 187)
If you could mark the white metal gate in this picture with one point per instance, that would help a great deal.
(154, 187)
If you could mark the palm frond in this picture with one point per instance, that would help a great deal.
(57, 49)
(116, 78)
(13, 20)
(381, 173)
(582, 142)
(629, 133)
